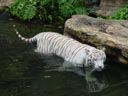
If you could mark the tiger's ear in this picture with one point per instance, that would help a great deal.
(103, 49)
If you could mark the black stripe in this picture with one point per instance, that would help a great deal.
(50, 42)
(62, 47)
(55, 43)
(58, 43)
(45, 40)
(76, 51)
(70, 47)
(67, 46)
(51, 35)
(54, 39)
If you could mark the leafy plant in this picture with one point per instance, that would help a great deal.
(23, 9)
(121, 13)
(47, 10)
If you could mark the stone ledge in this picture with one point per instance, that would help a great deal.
(111, 34)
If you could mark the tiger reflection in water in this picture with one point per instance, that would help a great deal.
(75, 54)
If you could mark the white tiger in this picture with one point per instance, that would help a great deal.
(70, 50)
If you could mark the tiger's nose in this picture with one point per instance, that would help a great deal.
(100, 67)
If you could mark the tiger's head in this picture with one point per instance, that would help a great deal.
(96, 59)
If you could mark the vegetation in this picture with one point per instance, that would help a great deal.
(47, 10)
(121, 13)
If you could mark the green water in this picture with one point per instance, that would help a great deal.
(22, 72)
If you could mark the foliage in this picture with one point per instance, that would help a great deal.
(47, 10)
(121, 13)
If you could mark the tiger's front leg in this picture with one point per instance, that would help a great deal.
(69, 67)
(66, 66)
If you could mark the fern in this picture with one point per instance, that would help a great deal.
(80, 10)
(64, 7)
(47, 10)
(29, 12)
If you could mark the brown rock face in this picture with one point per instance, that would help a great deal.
(112, 3)
(107, 7)
(111, 34)
(4, 3)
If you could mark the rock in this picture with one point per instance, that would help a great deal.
(107, 7)
(111, 34)
(113, 3)
(104, 12)
(4, 3)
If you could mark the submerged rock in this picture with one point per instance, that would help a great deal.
(111, 34)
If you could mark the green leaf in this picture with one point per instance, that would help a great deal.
(29, 12)
(81, 10)
(66, 9)
(47, 10)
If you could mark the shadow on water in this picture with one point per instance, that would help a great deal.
(22, 72)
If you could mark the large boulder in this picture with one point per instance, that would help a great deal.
(111, 34)
(4, 3)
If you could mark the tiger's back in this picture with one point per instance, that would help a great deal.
(55, 43)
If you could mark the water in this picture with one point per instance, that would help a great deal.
(23, 72)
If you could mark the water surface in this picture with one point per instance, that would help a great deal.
(23, 72)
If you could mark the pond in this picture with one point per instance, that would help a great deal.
(23, 72)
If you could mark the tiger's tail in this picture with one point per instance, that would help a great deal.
(29, 40)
